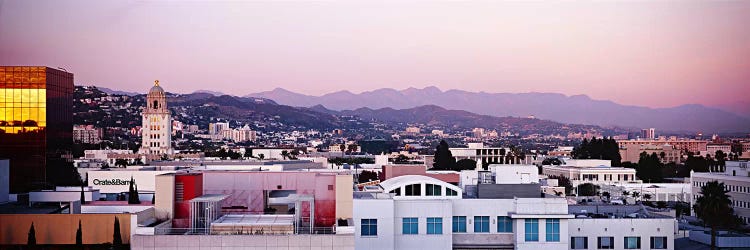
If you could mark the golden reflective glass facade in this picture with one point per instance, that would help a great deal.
(35, 121)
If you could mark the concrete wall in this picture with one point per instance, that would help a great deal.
(344, 195)
(4, 180)
(383, 211)
(164, 197)
(200, 242)
(422, 209)
(61, 228)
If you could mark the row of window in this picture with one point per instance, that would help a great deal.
(730, 188)
(740, 204)
(482, 224)
(410, 225)
(630, 242)
(431, 190)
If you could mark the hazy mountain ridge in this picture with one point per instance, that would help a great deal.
(576, 109)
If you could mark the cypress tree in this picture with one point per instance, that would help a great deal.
(133, 192)
(31, 240)
(79, 234)
(83, 197)
(117, 237)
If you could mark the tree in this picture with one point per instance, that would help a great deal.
(444, 159)
(649, 168)
(342, 147)
(607, 195)
(647, 197)
(635, 195)
(83, 197)
(465, 164)
(367, 176)
(31, 240)
(117, 237)
(121, 163)
(587, 189)
(133, 192)
(605, 149)
(284, 154)
(715, 208)
(248, 153)
(552, 161)
(261, 156)
(293, 155)
(352, 148)
(79, 234)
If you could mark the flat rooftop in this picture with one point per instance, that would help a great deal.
(254, 220)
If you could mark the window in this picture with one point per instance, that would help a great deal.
(504, 224)
(459, 224)
(481, 224)
(658, 242)
(396, 191)
(434, 225)
(606, 242)
(369, 227)
(450, 192)
(553, 230)
(414, 190)
(579, 243)
(434, 190)
(410, 226)
(532, 229)
(632, 242)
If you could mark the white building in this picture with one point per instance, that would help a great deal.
(500, 174)
(418, 212)
(736, 179)
(488, 155)
(598, 172)
(157, 123)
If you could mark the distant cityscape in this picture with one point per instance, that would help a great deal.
(162, 170)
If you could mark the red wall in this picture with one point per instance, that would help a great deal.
(192, 188)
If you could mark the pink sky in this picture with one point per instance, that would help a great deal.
(651, 54)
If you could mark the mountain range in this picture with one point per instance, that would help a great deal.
(576, 109)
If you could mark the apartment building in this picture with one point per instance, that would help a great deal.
(419, 212)
(736, 179)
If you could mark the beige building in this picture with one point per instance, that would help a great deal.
(666, 152)
(736, 179)
(157, 123)
(691, 145)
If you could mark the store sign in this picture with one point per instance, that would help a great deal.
(112, 182)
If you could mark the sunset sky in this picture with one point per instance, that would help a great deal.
(648, 54)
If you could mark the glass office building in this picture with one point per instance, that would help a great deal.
(36, 122)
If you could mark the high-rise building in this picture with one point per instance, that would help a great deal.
(36, 123)
(648, 133)
(156, 133)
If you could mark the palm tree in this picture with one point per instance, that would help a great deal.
(714, 208)
(647, 197)
(625, 193)
(635, 195)
(607, 195)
